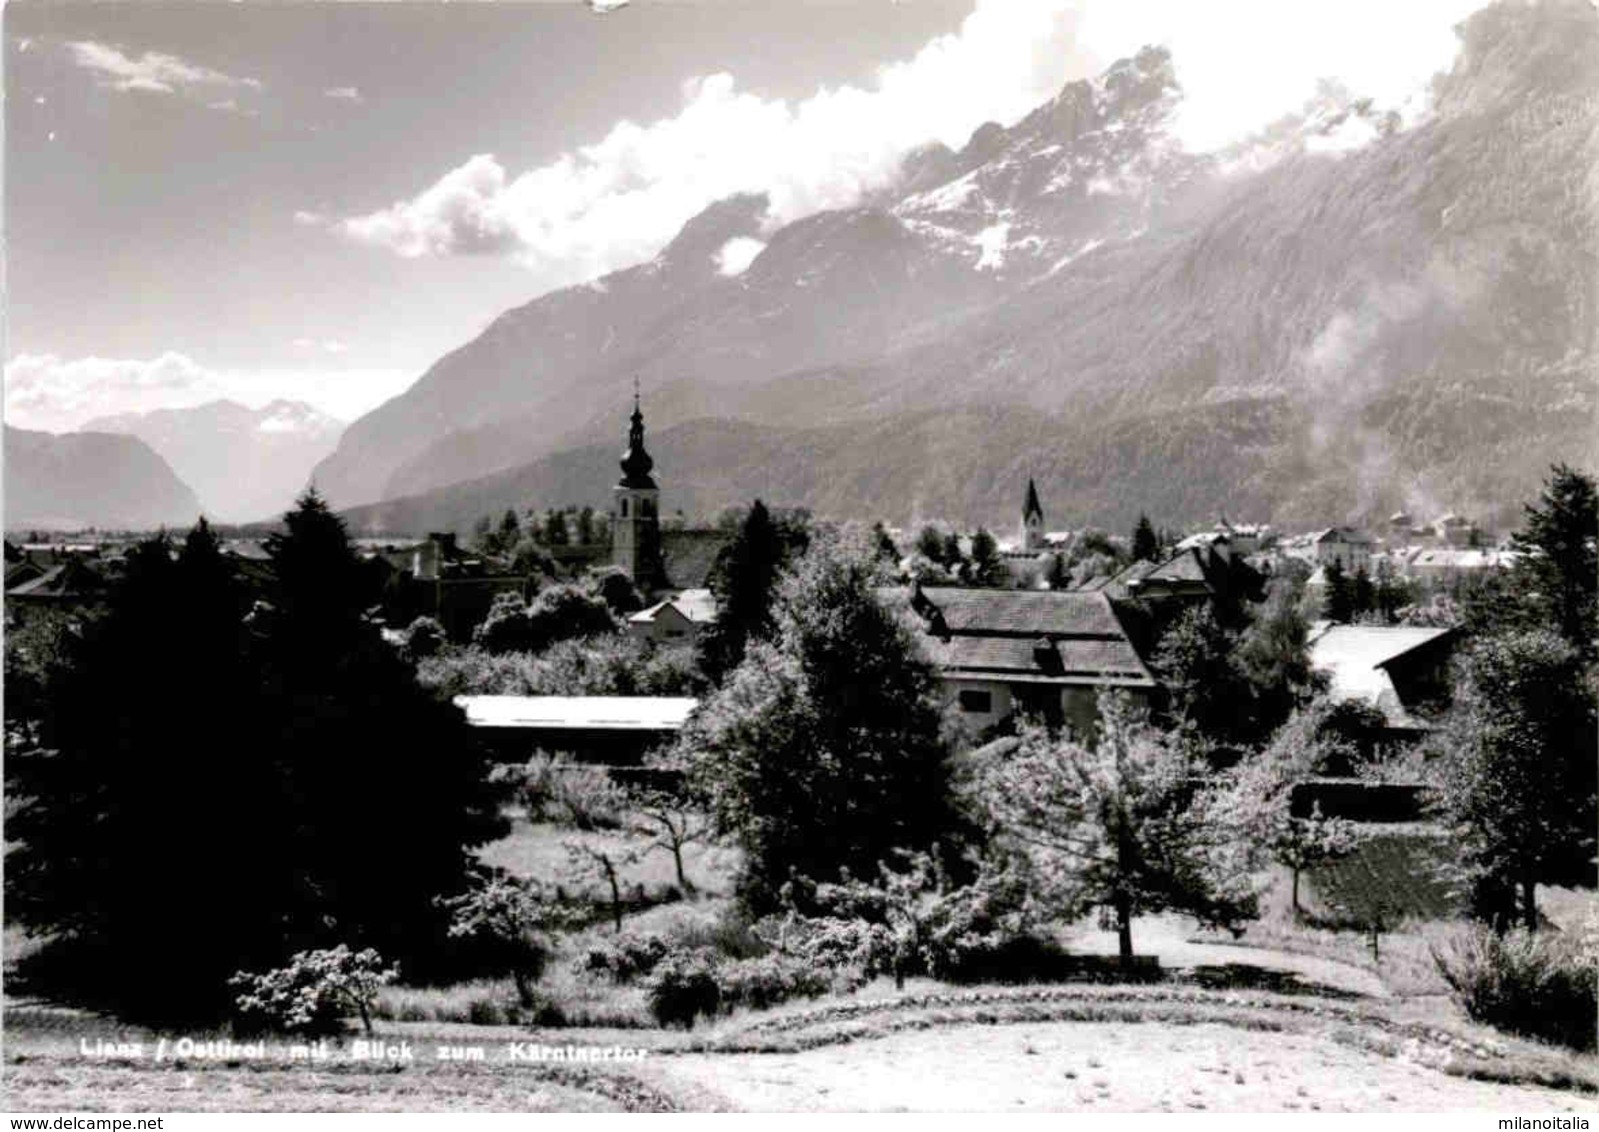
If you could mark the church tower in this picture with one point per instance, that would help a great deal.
(1032, 520)
(635, 513)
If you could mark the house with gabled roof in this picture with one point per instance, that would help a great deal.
(1044, 652)
(677, 620)
(1401, 670)
(1350, 548)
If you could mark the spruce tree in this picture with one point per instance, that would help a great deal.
(143, 815)
(383, 788)
(953, 558)
(1339, 603)
(510, 532)
(743, 580)
(1559, 567)
(1362, 594)
(986, 568)
(1146, 546)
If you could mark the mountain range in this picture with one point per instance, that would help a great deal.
(245, 464)
(91, 479)
(1340, 317)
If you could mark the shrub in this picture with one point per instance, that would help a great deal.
(683, 987)
(315, 992)
(759, 984)
(1530, 984)
(835, 944)
(625, 957)
(586, 798)
(980, 929)
(511, 920)
(424, 637)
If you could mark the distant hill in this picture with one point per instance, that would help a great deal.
(91, 479)
(1301, 329)
(246, 464)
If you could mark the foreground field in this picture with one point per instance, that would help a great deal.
(1062, 1067)
(1171, 1045)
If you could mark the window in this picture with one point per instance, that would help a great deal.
(976, 702)
(624, 508)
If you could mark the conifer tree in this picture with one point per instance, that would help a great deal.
(1339, 603)
(1146, 546)
(986, 568)
(744, 579)
(1559, 567)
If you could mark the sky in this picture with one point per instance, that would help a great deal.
(315, 201)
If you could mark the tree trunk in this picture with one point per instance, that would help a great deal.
(524, 989)
(1529, 904)
(677, 859)
(1124, 929)
(616, 897)
(1296, 891)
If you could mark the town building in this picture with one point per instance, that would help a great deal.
(1454, 530)
(436, 578)
(675, 620)
(1441, 566)
(1043, 652)
(1401, 670)
(1348, 547)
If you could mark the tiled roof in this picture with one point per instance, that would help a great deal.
(690, 554)
(697, 605)
(1029, 612)
(1040, 636)
(71, 579)
(1012, 658)
(1185, 567)
(1462, 559)
(1341, 534)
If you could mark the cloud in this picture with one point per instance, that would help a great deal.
(467, 212)
(619, 200)
(737, 254)
(157, 73)
(44, 391)
(1245, 63)
(348, 93)
(331, 346)
(47, 392)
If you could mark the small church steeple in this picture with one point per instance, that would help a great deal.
(635, 517)
(1032, 519)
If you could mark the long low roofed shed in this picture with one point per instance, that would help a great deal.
(579, 713)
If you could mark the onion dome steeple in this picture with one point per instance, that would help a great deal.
(636, 462)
